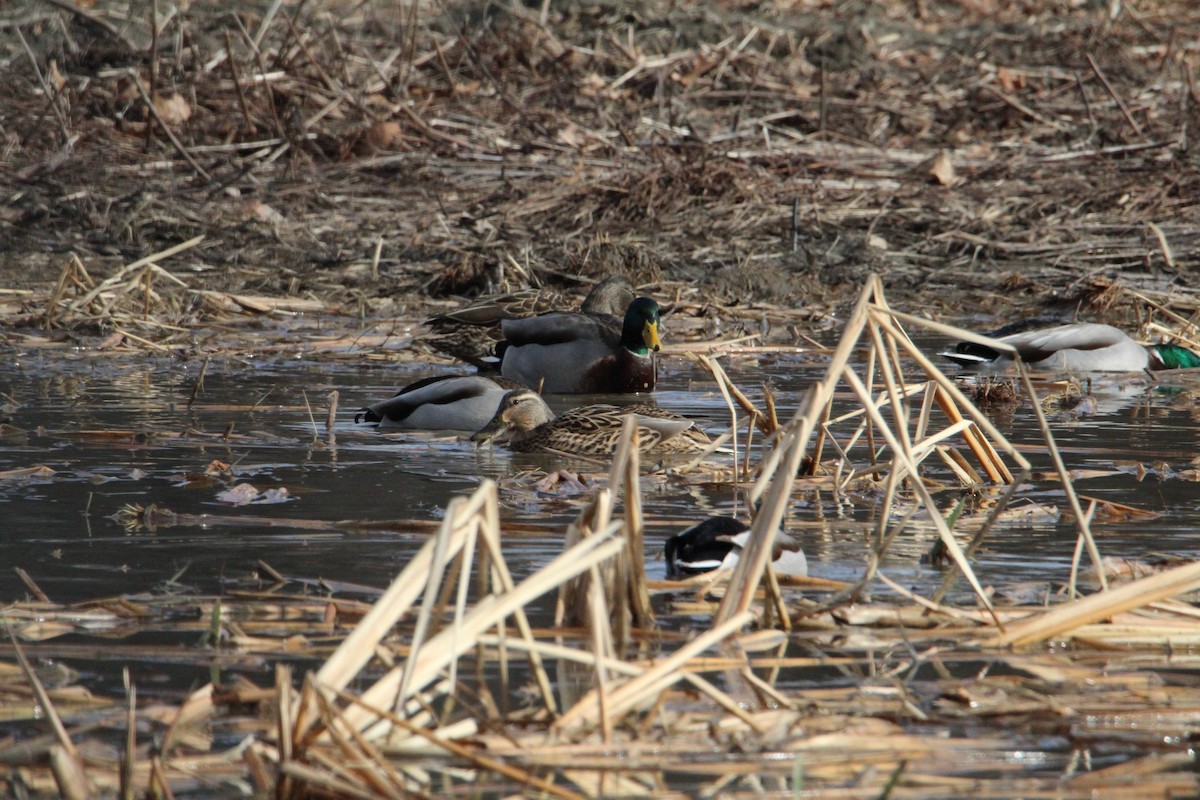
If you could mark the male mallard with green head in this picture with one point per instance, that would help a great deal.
(588, 430)
(567, 353)
(1081, 346)
(472, 333)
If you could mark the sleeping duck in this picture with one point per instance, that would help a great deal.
(588, 430)
(717, 542)
(445, 402)
(578, 353)
(1080, 346)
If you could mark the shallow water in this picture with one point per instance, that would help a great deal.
(108, 430)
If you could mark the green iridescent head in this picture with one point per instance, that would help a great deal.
(1172, 356)
(640, 331)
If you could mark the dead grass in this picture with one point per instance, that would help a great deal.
(784, 688)
(200, 169)
(376, 152)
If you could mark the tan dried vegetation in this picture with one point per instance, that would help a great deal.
(413, 693)
(192, 165)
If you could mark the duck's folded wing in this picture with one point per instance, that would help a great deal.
(559, 328)
(492, 310)
(440, 392)
(1036, 345)
(666, 428)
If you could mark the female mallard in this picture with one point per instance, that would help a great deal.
(473, 334)
(446, 402)
(1081, 346)
(717, 542)
(588, 430)
(584, 353)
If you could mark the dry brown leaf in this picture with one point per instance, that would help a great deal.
(570, 135)
(172, 109)
(942, 169)
(41, 631)
(218, 467)
(1009, 80)
(264, 213)
(12, 431)
(110, 341)
(1108, 511)
(54, 76)
(41, 471)
(384, 135)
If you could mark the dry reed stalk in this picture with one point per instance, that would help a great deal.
(599, 626)
(148, 261)
(730, 391)
(617, 666)
(723, 384)
(788, 454)
(626, 472)
(467, 753)
(197, 706)
(1186, 323)
(354, 652)
(902, 450)
(352, 729)
(595, 601)
(360, 759)
(1081, 520)
(949, 398)
(65, 760)
(448, 644)
(623, 580)
(775, 481)
(871, 319)
(129, 754)
(977, 538)
(585, 715)
(1062, 620)
(73, 273)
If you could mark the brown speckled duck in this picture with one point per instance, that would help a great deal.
(589, 430)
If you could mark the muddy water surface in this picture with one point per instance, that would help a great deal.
(120, 432)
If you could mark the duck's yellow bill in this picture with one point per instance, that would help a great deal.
(650, 336)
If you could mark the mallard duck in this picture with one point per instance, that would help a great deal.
(567, 353)
(588, 430)
(446, 402)
(1081, 346)
(473, 334)
(717, 543)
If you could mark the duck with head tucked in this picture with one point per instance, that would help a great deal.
(442, 403)
(567, 353)
(1081, 347)
(593, 430)
(472, 333)
(717, 543)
